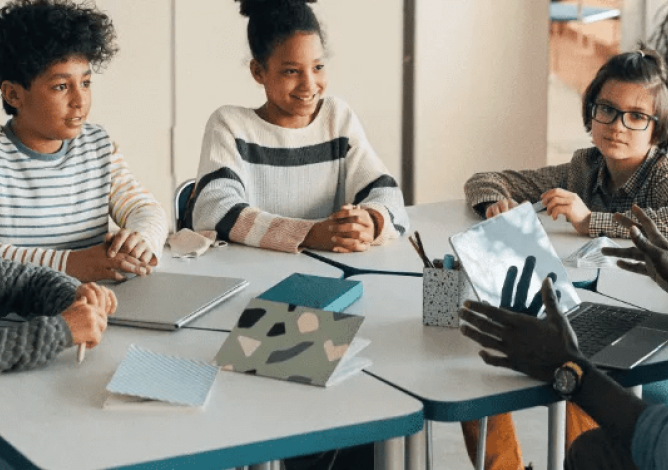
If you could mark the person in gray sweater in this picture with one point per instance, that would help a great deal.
(57, 312)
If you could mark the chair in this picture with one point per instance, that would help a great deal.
(181, 197)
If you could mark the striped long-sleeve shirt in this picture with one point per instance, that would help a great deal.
(587, 176)
(51, 204)
(264, 185)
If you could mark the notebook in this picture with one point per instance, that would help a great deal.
(618, 339)
(155, 381)
(324, 293)
(167, 301)
(289, 342)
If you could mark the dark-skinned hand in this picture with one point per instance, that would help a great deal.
(536, 347)
(649, 256)
(522, 292)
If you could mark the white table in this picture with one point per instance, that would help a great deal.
(52, 418)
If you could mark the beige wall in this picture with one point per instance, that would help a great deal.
(481, 91)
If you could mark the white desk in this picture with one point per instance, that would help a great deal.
(637, 290)
(52, 417)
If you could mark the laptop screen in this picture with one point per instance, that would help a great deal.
(488, 249)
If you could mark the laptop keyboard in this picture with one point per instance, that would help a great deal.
(597, 326)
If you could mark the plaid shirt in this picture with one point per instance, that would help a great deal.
(587, 176)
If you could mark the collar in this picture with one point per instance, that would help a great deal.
(9, 132)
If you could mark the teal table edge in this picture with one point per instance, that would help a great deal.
(540, 395)
(265, 451)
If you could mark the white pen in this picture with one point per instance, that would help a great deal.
(81, 352)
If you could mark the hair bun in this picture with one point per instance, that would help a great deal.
(251, 8)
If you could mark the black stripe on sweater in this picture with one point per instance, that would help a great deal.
(225, 225)
(383, 181)
(220, 173)
(325, 152)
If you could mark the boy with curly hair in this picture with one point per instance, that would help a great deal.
(60, 177)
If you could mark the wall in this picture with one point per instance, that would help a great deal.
(481, 91)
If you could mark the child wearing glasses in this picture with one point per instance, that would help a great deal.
(297, 172)
(625, 108)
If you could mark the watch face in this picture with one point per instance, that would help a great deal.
(565, 381)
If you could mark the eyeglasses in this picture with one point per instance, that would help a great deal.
(634, 120)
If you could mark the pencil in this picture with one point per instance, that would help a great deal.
(427, 261)
(81, 352)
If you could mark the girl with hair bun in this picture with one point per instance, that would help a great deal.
(297, 172)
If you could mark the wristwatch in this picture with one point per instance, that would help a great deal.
(568, 379)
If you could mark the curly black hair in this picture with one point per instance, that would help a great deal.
(270, 22)
(644, 66)
(35, 34)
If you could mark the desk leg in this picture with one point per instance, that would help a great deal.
(482, 440)
(556, 435)
(416, 450)
(389, 454)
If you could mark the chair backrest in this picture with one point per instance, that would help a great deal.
(181, 197)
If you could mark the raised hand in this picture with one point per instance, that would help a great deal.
(530, 345)
(522, 291)
(649, 256)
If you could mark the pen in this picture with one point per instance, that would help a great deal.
(448, 262)
(81, 352)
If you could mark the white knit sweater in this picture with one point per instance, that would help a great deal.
(265, 185)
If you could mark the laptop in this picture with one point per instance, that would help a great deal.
(611, 337)
(167, 301)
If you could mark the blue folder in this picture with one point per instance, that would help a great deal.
(324, 293)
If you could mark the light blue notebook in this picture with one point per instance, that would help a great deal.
(306, 290)
(151, 376)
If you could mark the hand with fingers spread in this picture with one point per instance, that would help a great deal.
(93, 264)
(522, 291)
(561, 202)
(536, 347)
(97, 296)
(649, 256)
(498, 207)
(132, 244)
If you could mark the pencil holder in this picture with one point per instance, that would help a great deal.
(443, 293)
